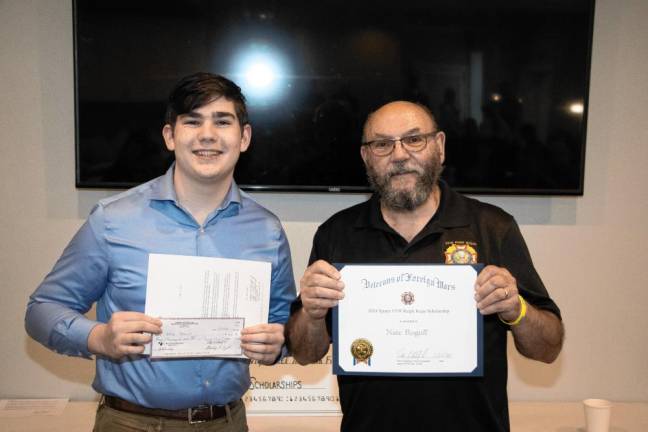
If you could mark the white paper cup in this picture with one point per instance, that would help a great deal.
(597, 415)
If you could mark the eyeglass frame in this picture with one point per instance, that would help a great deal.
(400, 139)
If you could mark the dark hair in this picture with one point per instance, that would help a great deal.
(199, 89)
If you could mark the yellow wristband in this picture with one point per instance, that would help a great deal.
(523, 311)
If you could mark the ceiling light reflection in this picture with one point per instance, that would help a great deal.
(576, 108)
(261, 71)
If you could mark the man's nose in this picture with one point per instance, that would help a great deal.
(399, 152)
(207, 132)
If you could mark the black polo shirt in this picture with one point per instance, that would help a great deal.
(359, 234)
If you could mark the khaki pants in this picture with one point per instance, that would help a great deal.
(111, 420)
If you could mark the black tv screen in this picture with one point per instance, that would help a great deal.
(506, 79)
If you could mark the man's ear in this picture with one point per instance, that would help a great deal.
(167, 134)
(364, 153)
(246, 137)
(439, 141)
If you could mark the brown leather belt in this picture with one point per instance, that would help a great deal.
(197, 414)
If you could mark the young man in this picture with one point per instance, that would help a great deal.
(415, 218)
(194, 209)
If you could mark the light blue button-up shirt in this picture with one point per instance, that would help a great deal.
(106, 262)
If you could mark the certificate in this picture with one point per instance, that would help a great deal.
(408, 320)
(198, 337)
(207, 287)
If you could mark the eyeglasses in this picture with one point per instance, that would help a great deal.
(414, 143)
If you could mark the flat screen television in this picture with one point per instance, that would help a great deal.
(507, 80)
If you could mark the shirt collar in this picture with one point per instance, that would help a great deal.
(233, 196)
(164, 190)
(453, 209)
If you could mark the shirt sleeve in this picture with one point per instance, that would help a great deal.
(55, 311)
(282, 289)
(517, 259)
(316, 254)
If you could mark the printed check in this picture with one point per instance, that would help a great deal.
(201, 337)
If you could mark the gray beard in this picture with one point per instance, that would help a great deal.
(406, 200)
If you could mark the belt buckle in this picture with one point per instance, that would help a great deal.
(190, 413)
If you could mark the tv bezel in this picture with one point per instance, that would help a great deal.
(579, 191)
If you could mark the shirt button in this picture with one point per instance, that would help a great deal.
(207, 383)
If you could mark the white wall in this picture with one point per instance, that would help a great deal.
(590, 250)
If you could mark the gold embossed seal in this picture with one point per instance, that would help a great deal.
(460, 253)
(361, 350)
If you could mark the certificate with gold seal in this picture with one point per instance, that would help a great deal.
(410, 320)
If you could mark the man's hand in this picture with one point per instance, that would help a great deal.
(263, 342)
(320, 289)
(539, 335)
(496, 292)
(126, 333)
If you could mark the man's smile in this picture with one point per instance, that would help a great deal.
(207, 153)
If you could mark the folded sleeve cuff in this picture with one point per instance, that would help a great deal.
(75, 341)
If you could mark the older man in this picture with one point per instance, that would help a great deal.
(414, 217)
